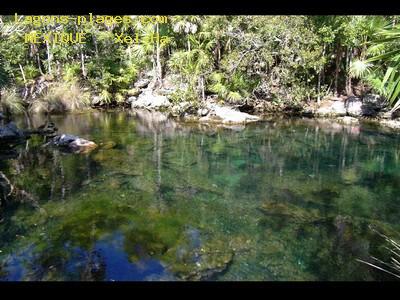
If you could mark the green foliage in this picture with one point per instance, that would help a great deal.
(388, 60)
(285, 58)
(71, 71)
(231, 88)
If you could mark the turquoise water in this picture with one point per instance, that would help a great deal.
(163, 200)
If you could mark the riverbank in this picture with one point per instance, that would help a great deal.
(51, 97)
(345, 110)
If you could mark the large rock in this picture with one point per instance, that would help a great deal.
(96, 101)
(149, 100)
(354, 107)
(347, 120)
(394, 124)
(373, 105)
(10, 132)
(227, 115)
(72, 143)
(142, 83)
(332, 108)
(183, 108)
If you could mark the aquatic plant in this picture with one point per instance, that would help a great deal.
(392, 266)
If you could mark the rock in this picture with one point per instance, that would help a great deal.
(246, 108)
(394, 124)
(347, 120)
(332, 108)
(96, 100)
(108, 145)
(227, 115)
(131, 99)
(182, 108)
(148, 100)
(202, 112)
(285, 210)
(134, 92)
(373, 104)
(73, 143)
(354, 106)
(10, 132)
(142, 83)
(388, 115)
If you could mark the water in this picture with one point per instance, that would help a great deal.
(161, 200)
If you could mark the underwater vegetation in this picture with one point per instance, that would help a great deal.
(278, 200)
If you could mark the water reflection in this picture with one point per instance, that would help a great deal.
(159, 199)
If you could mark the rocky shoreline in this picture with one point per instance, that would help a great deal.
(345, 110)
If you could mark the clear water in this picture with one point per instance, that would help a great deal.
(161, 200)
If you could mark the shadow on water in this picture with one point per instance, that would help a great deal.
(163, 200)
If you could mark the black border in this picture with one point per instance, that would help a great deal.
(202, 7)
(318, 290)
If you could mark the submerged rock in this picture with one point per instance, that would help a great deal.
(108, 145)
(202, 263)
(73, 143)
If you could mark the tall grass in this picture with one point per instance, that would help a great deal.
(391, 267)
(60, 98)
(11, 102)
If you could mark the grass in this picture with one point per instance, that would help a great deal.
(393, 266)
(11, 101)
(60, 98)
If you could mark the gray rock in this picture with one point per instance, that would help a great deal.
(227, 115)
(131, 99)
(373, 105)
(347, 120)
(148, 100)
(202, 112)
(10, 131)
(181, 108)
(394, 124)
(354, 107)
(72, 143)
(332, 108)
(96, 100)
(142, 83)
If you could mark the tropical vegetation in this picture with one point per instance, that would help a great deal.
(240, 59)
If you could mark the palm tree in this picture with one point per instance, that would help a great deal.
(390, 60)
(382, 69)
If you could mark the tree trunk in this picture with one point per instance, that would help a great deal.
(349, 91)
(39, 63)
(158, 59)
(48, 57)
(24, 78)
(83, 63)
(320, 77)
(338, 61)
(96, 49)
(203, 96)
